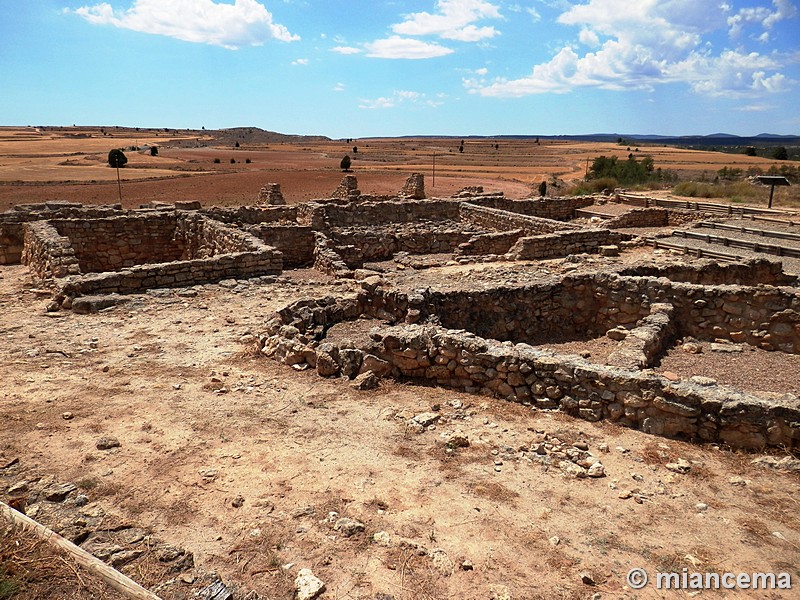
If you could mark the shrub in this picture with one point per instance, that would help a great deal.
(233, 161)
(247, 160)
(217, 161)
(345, 164)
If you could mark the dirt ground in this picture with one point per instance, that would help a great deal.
(243, 461)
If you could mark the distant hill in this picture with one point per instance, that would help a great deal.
(254, 135)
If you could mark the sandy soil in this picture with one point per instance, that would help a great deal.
(203, 421)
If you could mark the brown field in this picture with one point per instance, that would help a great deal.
(70, 164)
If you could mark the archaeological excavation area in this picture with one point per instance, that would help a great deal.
(403, 397)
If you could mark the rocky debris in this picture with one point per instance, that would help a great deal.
(456, 439)
(93, 304)
(216, 591)
(426, 419)
(107, 443)
(441, 561)
(307, 585)
(681, 466)
(787, 463)
(499, 592)
(58, 492)
(348, 527)
(366, 381)
(692, 348)
(617, 334)
(727, 348)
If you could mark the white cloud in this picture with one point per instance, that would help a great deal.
(346, 50)
(232, 26)
(761, 15)
(755, 108)
(400, 47)
(454, 20)
(400, 97)
(339, 87)
(482, 71)
(638, 45)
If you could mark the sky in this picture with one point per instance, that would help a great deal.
(360, 68)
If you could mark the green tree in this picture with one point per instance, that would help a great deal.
(117, 158)
(780, 153)
(543, 189)
(345, 164)
(750, 151)
(153, 151)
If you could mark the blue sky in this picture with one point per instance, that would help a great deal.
(361, 68)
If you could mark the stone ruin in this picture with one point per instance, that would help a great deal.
(348, 189)
(271, 195)
(480, 338)
(414, 187)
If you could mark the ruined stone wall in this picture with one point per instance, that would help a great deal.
(296, 242)
(47, 253)
(501, 220)
(265, 261)
(113, 243)
(562, 243)
(710, 272)
(381, 242)
(490, 243)
(252, 215)
(12, 222)
(558, 209)
(653, 217)
(390, 212)
(327, 258)
(695, 409)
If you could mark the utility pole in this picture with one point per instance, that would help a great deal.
(433, 185)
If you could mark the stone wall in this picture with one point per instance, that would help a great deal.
(562, 243)
(557, 209)
(252, 215)
(653, 217)
(502, 220)
(12, 231)
(710, 272)
(295, 242)
(47, 253)
(696, 409)
(335, 215)
(414, 187)
(490, 243)
(114, 243)
(381, 242)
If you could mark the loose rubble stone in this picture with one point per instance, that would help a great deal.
(107, 443)
(348, 527)
(681, 466)
(307, 585)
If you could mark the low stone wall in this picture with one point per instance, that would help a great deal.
(327, 259)
(653, 217)
(647, 340)
(252, 215)
(266, 261)
(501, 220)
(381, 242)
(557, 209)
(710, 272)
(113, 243)
(295, 242)
(407, 211)
(696, 409)
(490, 243)
(563, 243)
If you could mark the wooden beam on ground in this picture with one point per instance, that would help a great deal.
(92, 564)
